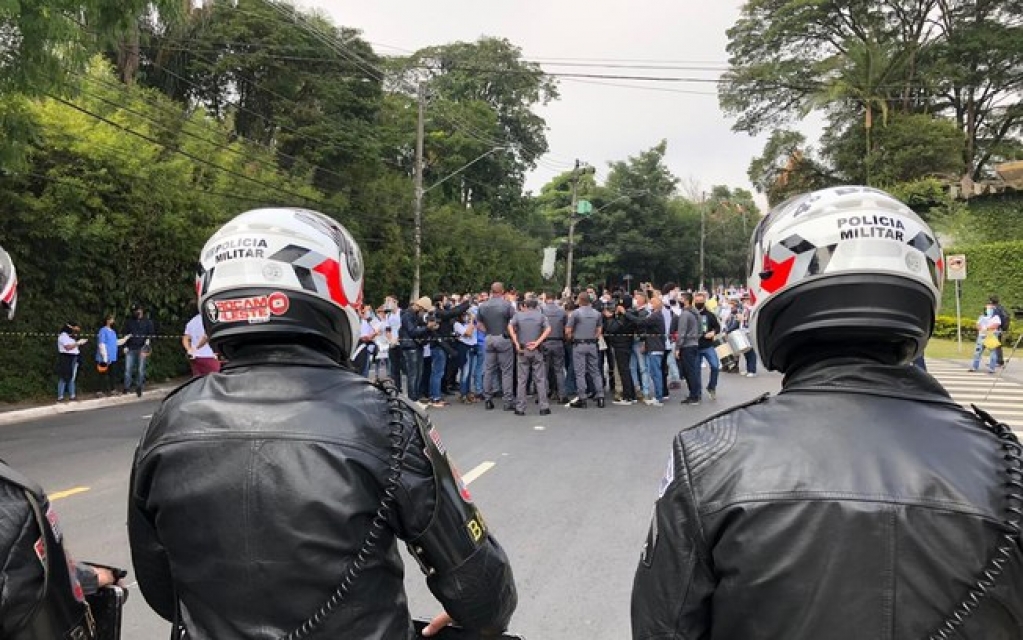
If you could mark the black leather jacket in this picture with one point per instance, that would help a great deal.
(252, 490)
(860, 502)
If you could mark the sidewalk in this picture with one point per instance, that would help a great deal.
(21, 412)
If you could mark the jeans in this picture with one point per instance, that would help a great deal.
(478, 356)
(570, 389)
(978, 351)
(394, 361)
(134, 367)
(751, 361)
(654, 361)
(690, 360)
(468, 371)
(638, 369)
(69, 385)
(437, 366)
(673, 372)
(413, 360)
(711, 356)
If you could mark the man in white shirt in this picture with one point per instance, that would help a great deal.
(201, 357)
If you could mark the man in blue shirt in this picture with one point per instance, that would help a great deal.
(106, 353)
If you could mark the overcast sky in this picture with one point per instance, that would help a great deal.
(596, 123)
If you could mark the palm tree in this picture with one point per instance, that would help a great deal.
(868, 73)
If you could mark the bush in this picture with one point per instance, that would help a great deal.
(945, 329)
(995, 268)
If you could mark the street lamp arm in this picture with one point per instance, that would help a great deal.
(461, 169)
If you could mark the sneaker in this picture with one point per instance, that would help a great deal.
(545, 412)
(138, 392)
(653, 403)
(751, 375)
(691, 401)
(971, 370)
(622, 403)
(712, 393)
(438, 404)
(631, 402)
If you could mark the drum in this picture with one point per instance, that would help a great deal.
(738, 340)
(729, 361)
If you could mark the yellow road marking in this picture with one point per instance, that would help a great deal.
(70, 492)
(477, 471)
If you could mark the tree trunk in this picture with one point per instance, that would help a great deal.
(128, 56)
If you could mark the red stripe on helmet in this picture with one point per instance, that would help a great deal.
(331, 270)
(776, 274)
(9, 296)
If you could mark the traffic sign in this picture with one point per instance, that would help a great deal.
(956, 267)
(584, 208)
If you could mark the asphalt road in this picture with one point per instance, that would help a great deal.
(568, 495)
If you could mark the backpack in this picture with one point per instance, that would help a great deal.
(1003, 317)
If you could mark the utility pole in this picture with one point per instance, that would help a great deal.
(418, 206)
(703, 233)
(571, 229)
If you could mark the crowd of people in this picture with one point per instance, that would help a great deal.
(632, 347)
(125, 356)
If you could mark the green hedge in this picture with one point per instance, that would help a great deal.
(945, 328)
(995, 268)
(986, 219)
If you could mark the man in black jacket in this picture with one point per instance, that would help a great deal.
(138, 349)
(442, 345)
(861, 501)
(267, 500)
(710, 327)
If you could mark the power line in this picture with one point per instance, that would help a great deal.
(182, 152)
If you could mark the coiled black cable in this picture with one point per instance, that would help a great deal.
(397, 410)
(1008, 542)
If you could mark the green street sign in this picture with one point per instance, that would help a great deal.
(584, 208)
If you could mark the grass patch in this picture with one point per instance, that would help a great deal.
(949, 349)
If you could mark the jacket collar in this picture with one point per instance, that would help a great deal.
(295, 354)
(861, 375)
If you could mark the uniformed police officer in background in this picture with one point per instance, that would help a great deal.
(529, 329)
(40, 599)
(494, 315)
(584, 328)
(554, 347)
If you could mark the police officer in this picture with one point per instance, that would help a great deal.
(861, 501)
(266, 500)
(529, 329)
(494, 315)
(554, 346)
(584, 328)
(40, 599)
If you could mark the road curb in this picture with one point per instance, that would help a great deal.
(32, 413)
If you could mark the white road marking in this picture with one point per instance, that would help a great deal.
(147, 417)
(539, 427)
(477, 471)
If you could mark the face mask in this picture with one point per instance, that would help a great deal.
(989, 312)
(699, 305)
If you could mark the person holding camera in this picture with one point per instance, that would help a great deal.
(68, 358)
(413, 334)
(442, 344)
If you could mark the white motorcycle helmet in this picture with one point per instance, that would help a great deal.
(8, 285)
(281, 272)
(848, 265)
